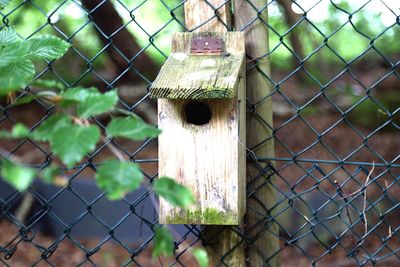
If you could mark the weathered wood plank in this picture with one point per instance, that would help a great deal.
(222, 241)
(195, 76)
(200, 15)
(204, 158)
(264, 242)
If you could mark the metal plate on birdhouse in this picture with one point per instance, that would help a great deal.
(206, 45)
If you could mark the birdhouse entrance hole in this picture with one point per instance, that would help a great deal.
(197, 113)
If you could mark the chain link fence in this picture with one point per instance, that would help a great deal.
(336, 101)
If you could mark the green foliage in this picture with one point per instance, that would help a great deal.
(72, 142)
(96, 103)
(45, 47)
(4, 3)
(18, 131)
(18, 176)
(16, 55)
(47, 129)
(201, 257)
(15, 74)
(173, 192)
(163, 243)
(131, 127)
(118, 178)
(49, 173)
(48, 84)
(331, 19)
(7, 36)
(89, 101)
(71, 132)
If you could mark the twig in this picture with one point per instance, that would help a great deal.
(113, 149)
(364, 192)
(344, 197)
(365, 204)
(365, 184)
(24, 207)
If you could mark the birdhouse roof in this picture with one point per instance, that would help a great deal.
(196, 75)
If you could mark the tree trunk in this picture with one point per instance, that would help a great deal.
(291, 19)
(122, 48)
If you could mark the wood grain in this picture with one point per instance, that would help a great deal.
(205, 159)
(196, 76)
(225, 245)
(208, 16)
(263, 234)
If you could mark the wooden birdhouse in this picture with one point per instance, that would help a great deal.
(201, 111)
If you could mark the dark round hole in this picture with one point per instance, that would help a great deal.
(197, 113)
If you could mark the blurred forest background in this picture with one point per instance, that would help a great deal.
(311, 44)
(335, 83)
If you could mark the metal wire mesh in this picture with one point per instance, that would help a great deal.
(335, 92)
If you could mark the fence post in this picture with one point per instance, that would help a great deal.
(225, 246)
(263, 236)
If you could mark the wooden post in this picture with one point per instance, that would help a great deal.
(263, 242)
(220, 239)
(200, 16)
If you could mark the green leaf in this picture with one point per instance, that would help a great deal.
(23, 100)
(201, 257)
(8, 35)
(97, 103)
(16, 71)
(75, 95)
(15, 75)
(89, 101)
(118, 178)
(47, 84)
(71, 143)
(49, 173)
(13, 52)
(46, 47)
(16, 175)
(132, 128)
(16, 67)
(46, 130)
(4, 3)
(173, 192)
(18, 131)
(163, 243)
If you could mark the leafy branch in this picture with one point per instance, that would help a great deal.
(71, 132)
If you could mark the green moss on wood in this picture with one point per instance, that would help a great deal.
(208, 216)
(198, 77)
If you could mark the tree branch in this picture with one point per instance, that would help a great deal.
(113, 32)
(291, 18)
